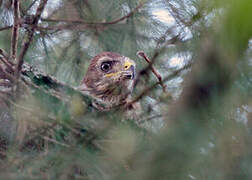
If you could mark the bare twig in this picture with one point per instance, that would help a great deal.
(157, 52)
(127, 16)
(7, 74)
(169, 77)
(29, 7)
(95, 23)
(63, 27)
(153, 69)
(29, 37)
(7, 64)
(5, 55)
(77, 21)
(15, 29)
(5, 59)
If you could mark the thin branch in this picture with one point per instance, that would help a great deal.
(7, 64)
(29, 7)
(15, 29)
(157, 52)
(63, 27)
(148, 89)
(7, 75)
(127, 16)
(153, 69)
(5, 55)
(84, 24)
(29, 38)
(95, 23)
(43, 82)
(77, 21)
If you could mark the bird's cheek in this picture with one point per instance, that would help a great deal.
(130, 84)
(116, 78)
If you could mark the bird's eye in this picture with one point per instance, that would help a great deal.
(106, 66)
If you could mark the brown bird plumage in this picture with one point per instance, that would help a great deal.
(109, 79)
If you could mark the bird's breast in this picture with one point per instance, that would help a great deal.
(111, 94)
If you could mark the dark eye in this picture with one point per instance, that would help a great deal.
(106, 66)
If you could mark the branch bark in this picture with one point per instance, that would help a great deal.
(153, 69)
(15, 29)
(30, 34)
(50, 85)
(79, 21)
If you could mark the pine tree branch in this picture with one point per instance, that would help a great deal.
(15, 30)
(50, 85)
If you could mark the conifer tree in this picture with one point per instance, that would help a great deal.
(193, 83)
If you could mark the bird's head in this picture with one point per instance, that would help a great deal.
(110, 77)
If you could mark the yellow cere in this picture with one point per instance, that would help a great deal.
(127, 64)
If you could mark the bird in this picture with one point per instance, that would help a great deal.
(110, 80)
